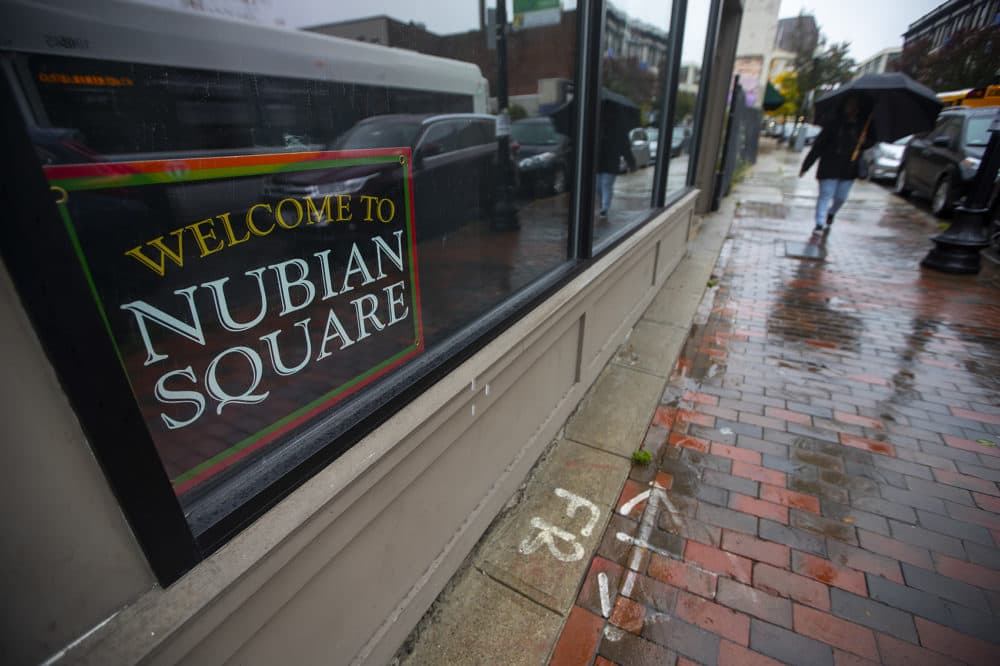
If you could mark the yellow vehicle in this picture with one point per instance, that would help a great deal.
(983, 96)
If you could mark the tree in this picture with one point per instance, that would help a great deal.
(684, 108)
(788, 86)
(816, 64)
(967, 60)
(826, 70)
(626, 76)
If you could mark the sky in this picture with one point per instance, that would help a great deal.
(869, 25)
(440, 16)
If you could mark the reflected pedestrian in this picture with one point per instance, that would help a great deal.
(838, 148)
(612, 147)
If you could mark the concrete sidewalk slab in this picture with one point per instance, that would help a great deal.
(491, 620)
(542, 547)
(614, 414)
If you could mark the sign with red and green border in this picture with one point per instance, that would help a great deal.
(248, 295)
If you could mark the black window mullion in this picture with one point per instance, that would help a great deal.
(587, 118)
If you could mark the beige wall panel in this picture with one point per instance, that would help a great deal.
(672, 247)
(67, 558)
(333, 614)
(616, 309)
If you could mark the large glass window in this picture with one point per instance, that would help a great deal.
(282, 219)
(633, 69)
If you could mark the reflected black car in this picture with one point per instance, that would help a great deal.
(542, 156)
(680, 141)
(454, 168)
(941, 164)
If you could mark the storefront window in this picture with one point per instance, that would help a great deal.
(689, 80)
(279, 218)
(633, 70)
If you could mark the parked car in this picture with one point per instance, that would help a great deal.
(454, 167)
(942, 163)
(812, 131)
(640, 147)
(883, 159)
(680, 141)
(653, 135)
(543, 155)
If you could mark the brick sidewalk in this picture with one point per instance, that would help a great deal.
(827, 450)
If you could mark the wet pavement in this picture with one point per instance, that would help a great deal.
(825, 457)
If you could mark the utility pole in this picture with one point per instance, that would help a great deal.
(504, 211)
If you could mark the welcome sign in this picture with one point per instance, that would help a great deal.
(245, 295)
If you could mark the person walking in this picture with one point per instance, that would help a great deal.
(612, 146)
(838, 149)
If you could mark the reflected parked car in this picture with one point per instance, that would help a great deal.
(542, 156)
(654, 141)
(454, 168)
(942, 163)
(812, 131)
(680, 141)
(883, 159)
(639, 141)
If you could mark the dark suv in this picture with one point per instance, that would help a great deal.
(454, 167)
(543, 155)
(942, 163)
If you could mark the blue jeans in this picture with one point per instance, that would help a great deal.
(831, 189)
(605, 188)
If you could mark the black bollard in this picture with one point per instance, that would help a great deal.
(957, 249)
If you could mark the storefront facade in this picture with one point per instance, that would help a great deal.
(289, 317)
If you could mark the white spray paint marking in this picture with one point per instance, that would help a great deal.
(602, 583)
(473, 409)
(630, 505)
(486, 390)
(639, 543)
(629, 584)
(548, 533)
(574, 502)
(545, 535)
(613, 634)
(472, 387)
(654, 498)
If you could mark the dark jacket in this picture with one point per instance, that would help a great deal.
(834, 147)
(612, 145)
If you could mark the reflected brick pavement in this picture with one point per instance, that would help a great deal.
(828, 442)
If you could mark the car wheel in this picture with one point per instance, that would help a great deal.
(941, 198)
(559, 181)
(901, 188)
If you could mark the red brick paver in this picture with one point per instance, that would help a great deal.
(834, 435)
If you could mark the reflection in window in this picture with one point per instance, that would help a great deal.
(277, 221)
(633, 71)
(688, 88)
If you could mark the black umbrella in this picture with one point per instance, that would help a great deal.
(616, 110)
(898, 105)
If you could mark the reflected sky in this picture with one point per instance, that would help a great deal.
(442, 16)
